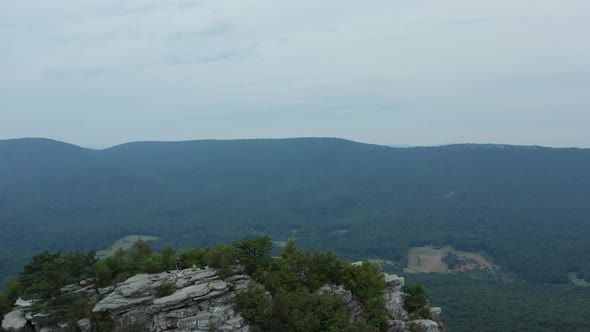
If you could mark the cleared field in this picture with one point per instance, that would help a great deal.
(430, 260)
(423, 259)
(474, 261)
(577, 281)
(124, 242)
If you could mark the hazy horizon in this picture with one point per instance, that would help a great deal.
(294, 137)
(102, 73)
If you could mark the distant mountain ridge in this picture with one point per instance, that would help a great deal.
(35, 140)
(516, 203)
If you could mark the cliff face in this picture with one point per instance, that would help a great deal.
(200, 301)
(394, 304)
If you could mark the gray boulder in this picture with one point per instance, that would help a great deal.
(396, 326)
(201, 302)
(393, 294)
(23, 304)
(85, 325)
(14, 321)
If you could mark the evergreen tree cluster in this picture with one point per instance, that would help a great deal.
(293, 279)
(282, 297)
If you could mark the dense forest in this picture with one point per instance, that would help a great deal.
(488, 303)
(524, 207)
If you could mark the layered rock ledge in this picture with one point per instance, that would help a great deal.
(200, 301)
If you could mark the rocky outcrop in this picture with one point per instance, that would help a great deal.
(85, 325)
(17, 319)
(394, 304)
(353, 306)
(201, 302)
(14, 321)
(393, 294)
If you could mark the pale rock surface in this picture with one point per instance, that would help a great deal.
(23, 304)
(394, 302)
(14, 321)
(85, 325)
(435, 313)
(396, 326)
(201, 301)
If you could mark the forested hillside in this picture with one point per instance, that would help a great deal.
(485, 303)
(526, 207)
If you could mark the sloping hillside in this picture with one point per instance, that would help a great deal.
(527, 207)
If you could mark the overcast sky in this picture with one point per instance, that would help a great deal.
(104, 72)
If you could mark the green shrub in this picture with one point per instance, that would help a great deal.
(416, 301)
(255, 306)
(366, 282)
(11, 293)
(222, 258)
(103, 274)
(165, 289)
(101, 322)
